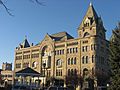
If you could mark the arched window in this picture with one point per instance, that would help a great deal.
(93, 58)
(86, 59)
(75, 72)
(75, 60)
(46, 51)
(86, 34)
(72, 73)
(83, 60)
(68, 61)
(73, 50)
(68, 72)
(85, 72)
(93, 71)
(71, 61)
(76, 49)
(59, 62)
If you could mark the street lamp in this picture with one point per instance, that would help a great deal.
(44, 64)
(108, 86)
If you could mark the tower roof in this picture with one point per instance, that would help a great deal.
(90, 14)
(25, 43)
(91, 11)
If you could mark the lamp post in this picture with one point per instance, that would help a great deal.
(44, 64)
(108, 86)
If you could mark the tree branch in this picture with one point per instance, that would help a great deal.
(38, 2)
(6, 8)
(9, 11)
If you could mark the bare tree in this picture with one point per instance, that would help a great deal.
(2, 3)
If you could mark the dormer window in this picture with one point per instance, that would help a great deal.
(88, 21)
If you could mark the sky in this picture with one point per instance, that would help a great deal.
(34, 21)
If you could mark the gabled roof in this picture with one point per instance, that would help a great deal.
(61, 36)
(28, 72)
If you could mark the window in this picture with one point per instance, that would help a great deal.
(68, 72)
(59, 72)
(75, 60)
(75, 72)
(25, 65)
(86, 41)
(59, 63)
(26, 56)
(18, 57)
(69, 61)
(36, 55)
(83, 60)
(73, 50)
(83, 49)
(9, 76)
(93, 58)
(18, 65)
(70, 50)
(63, 51)
(85, 72)
(34, 64)
(93, 47)
(76, 49)
(86, 48)
(86, 34)
(67, 50)
(60, 52)
(86, 59)
(55, 53)
(72, 72)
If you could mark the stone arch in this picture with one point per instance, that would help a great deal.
(46, 44)
(85, 72)
(34, 64)
(46, 51)
(59, 62)
(86, 34)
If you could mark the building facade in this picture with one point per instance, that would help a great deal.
(65, 55)
(7, 73)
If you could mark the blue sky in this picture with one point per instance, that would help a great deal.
(58, 15)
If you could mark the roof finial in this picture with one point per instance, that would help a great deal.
(90, 3)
